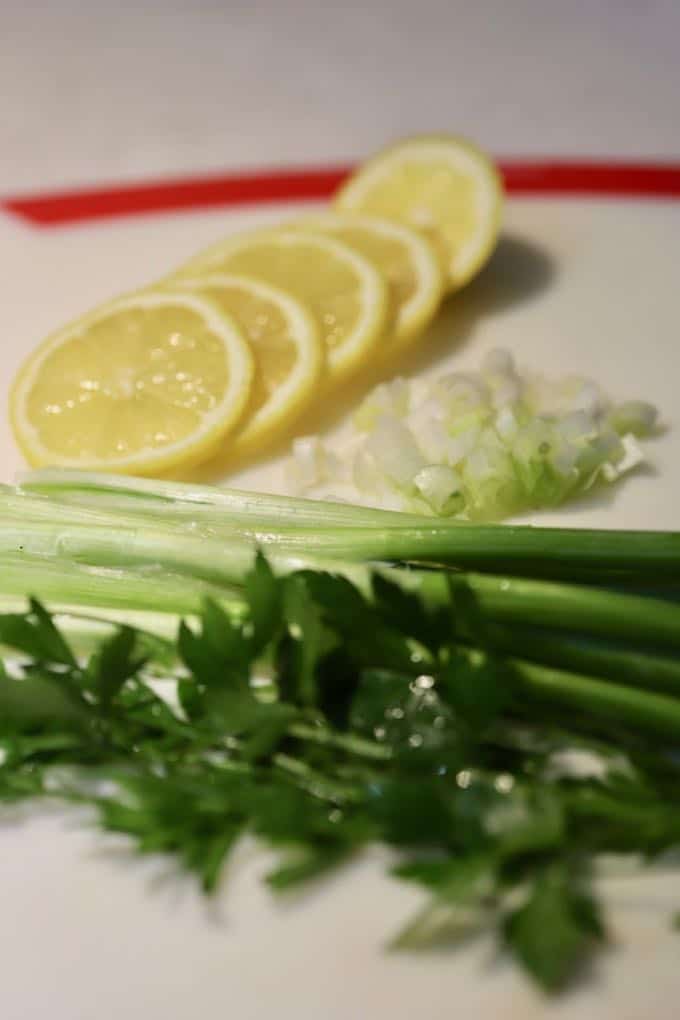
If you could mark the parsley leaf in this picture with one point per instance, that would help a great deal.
(38, 702)
(112, 664)
(309, 640)
(553, 930)
(263, 594)
(219, 653)
(478, 690)
(35, 634)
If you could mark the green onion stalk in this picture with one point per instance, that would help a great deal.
(100, 545)
(328, 530)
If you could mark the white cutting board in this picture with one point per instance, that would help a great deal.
(86, 930)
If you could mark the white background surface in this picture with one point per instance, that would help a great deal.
(95, 92)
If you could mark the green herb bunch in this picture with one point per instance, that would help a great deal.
(321, 719)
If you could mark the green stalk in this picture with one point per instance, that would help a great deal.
(579, 554)
(603, 806)
(501, 598)
(571, 607)
(651, 713)
(250, 506)
(66, 584)
(540, 603)
(213, 559)
(71, 584)
(124, 547)
(623, 665)
(116, 511)
(335, 530)
(462, 546)
(16, 505)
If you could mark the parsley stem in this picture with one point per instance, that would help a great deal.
(349, 742)
(316, 783)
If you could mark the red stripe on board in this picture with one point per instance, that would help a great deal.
(171, 196)
(644, 180)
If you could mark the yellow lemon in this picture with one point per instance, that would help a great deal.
(441, 185)
(286, 344)
(344, 291)
(407, 260)
(145, 384)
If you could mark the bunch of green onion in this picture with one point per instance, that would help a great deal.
(573, 605)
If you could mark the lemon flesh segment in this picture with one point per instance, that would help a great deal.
(145, 384)
(287, 349)
(344, 291)
(445, 187)
(408, 261)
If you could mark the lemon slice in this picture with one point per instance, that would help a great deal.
(405, 257)
(345, 292)
(286, 345)
(142, 385)
(441, 185)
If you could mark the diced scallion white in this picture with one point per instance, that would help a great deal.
(480, 445)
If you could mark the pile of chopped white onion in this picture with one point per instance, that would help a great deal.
(481, 445)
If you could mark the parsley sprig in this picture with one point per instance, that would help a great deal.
(322, 718)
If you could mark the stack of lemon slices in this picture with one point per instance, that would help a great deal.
(228, 351)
